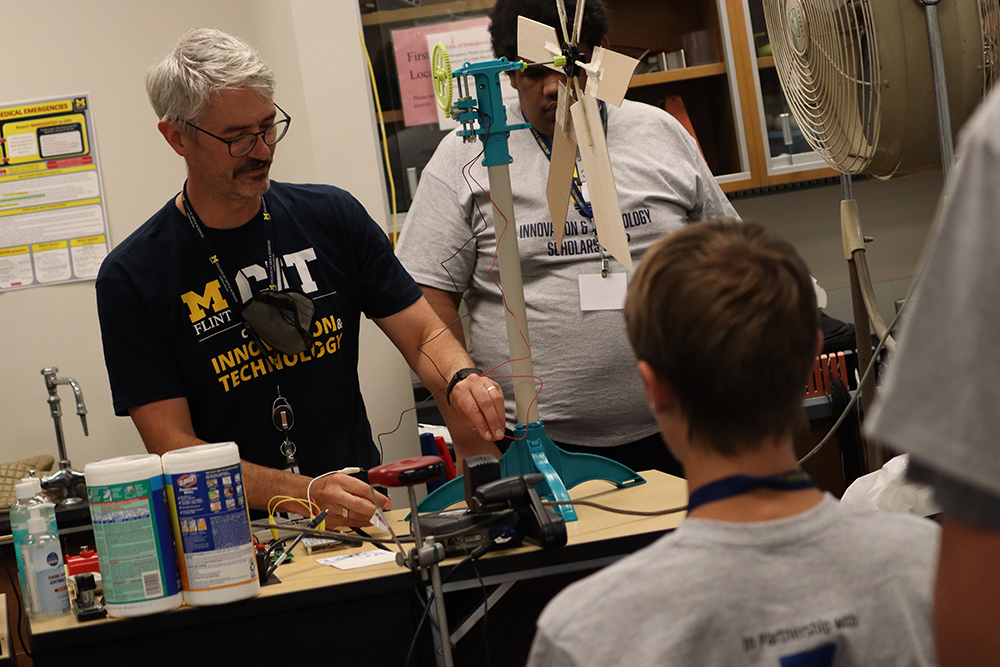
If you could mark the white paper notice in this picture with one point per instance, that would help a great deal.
(53, 228)
(599, 293)
(15, 267)
(363, 559)
(470, 46)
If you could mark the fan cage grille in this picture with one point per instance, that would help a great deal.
(832, 80)
(989, 14)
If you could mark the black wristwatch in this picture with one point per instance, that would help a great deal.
(458, 377)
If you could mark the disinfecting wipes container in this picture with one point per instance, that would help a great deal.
(135, 551)
(211, 523)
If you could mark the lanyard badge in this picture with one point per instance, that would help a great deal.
(284, 419)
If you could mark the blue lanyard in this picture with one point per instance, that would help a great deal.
(736, 485)
(576, 190)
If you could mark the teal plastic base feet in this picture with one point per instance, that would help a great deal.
(531, 451)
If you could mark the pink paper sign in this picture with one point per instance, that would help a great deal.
(413, 63)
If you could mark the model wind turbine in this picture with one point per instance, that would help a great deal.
(531, 450)
(579, 125)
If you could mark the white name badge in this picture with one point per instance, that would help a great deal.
(599, 293)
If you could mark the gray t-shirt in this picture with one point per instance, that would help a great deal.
(835, 585)
(940, 397)
(592, 393)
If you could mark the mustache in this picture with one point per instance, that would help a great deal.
(250, 165)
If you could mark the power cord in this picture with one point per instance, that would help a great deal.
(614, 510)
(20, 604)
(857, 394)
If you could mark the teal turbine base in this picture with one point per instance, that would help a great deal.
(531, 451)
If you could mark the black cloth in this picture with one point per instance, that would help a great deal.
(958, 499)
(837, 336)
(649, 453)
(170, 330)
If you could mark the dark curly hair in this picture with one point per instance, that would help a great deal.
(503, 29)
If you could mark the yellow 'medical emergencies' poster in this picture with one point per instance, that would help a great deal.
(53, 227)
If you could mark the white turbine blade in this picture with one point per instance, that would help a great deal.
(562, 107)
(536, 41)
(577, 22)
(600, 179)
(561, 165)
(608, 75)
(561, 8)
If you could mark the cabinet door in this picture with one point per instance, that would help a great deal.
(785, 156)
(687, 67)
(395, 34)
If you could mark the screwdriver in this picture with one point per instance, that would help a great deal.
(318, 519)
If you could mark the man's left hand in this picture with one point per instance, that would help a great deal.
(479, 401)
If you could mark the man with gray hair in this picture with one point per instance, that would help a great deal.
(233, 314)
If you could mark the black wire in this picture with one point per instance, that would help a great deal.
(315, 532)
(275, 544)
(358, 539)
(476, 554)
(364, 534)
(486, 606)
(20, 604)
(475, 235)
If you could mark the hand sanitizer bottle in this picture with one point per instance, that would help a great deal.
(29, 494)
(47, 595)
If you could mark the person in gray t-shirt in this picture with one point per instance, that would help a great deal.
(939, 402)
(765, 569)
(592, 398)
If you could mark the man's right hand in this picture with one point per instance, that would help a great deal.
(336, 493)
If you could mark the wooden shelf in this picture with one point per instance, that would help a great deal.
(392, 115)
(425, 11)
(651, 79)
(710, 92)
(696, 72)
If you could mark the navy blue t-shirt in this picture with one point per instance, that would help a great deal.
(170, 328)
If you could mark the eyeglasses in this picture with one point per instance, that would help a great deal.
(243, 144)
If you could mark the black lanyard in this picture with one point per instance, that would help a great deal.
(576, 190)
(213, 257)
(281, 405)
(736, 485)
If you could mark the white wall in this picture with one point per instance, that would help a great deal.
(104, 47)
(897, 214)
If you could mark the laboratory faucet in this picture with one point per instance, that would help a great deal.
(65, 478)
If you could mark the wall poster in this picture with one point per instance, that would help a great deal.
(53, 227)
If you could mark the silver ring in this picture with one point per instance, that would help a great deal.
(344, 512)
(491, 388)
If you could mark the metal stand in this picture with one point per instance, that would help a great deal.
(940, 88)
(862, 291)
(65, 478)
(429, 556)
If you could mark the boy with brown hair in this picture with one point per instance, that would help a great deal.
(766, 570)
